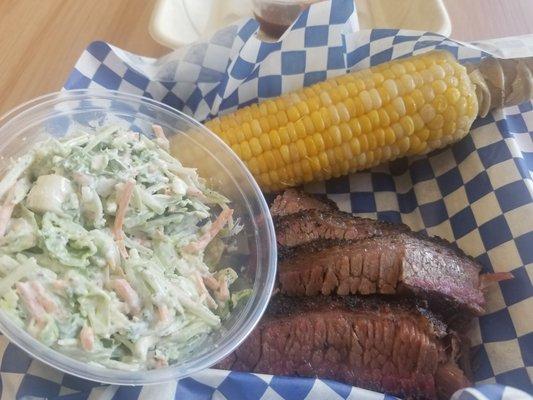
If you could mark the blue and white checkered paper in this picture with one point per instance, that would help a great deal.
(477, 193)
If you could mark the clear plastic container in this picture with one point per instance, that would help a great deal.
(58, 114)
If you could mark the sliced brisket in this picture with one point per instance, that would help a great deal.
(403, 263)
(292, 201)
(306, 226)
(391, 346)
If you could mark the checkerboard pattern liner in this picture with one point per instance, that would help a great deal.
(478, 193)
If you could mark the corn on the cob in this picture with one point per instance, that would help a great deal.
(353, 122)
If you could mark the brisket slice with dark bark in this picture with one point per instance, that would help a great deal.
(292, 201)
(388, 346)
(404, 263)
(307, 226)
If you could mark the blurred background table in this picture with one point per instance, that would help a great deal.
(40, 40)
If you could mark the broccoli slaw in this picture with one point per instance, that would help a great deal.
(109, 250)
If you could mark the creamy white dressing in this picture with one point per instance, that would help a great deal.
(102, 250)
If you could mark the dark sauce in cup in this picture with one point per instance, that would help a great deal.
(275, 17)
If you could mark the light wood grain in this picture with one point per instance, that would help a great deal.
(40, 40)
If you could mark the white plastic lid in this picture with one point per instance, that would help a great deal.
(179, 22)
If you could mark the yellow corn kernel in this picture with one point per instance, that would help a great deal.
(451, 81)
(418, 122)
(308, 124)
(278, 158)
(435, 134)
(293, 114)
(335, 96)
(372, 141)
(352, 89)
(282, 118)
(376, 98)
(418, 98)
(449, 128)
(440, 103)
(398, 130)
(263, 110)
(302, 149)
(334, 115)
(274, 138)
(325, 117)
(313, 104)
(410, 105)
(408, 83)
(343, 112)
(428, 93)
(255, 146)
(293, 151)
(355, 127)
(384, 95)
(246, 152)
(339, 153)
(239, 134)
(319, 142)
(423, 134)
(347, 151)
(390, 136)
(404, 144)
(325, 99)
(346, 132)
(373, 116)
(439, 87)
(335, 134)
(255, 127)
(318, 122)
(452, 95)
(366, 99)
(265, 127)
(355, 145)
(461, 106)
(323, 160)
(427, 76)
(299, 128)
(269, 159)
(231, 137)
(328, 139)
(272, 121)
(392, 113)
(284, 135)
(437, 71)
(380, 136)
(302, 107)
(291, 130)
(254, 166)
(237, 149)
(398, 69)
(343, 92)
(391, 88)
(359, 106)
(408, 125)
(264, 141)
(384, 119)
(359, 84)
(399, 106)
(366, 125)
(427, 113)
(363, 140)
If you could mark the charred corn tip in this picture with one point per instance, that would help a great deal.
(353, 122)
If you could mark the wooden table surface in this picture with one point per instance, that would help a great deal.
(40, 40)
